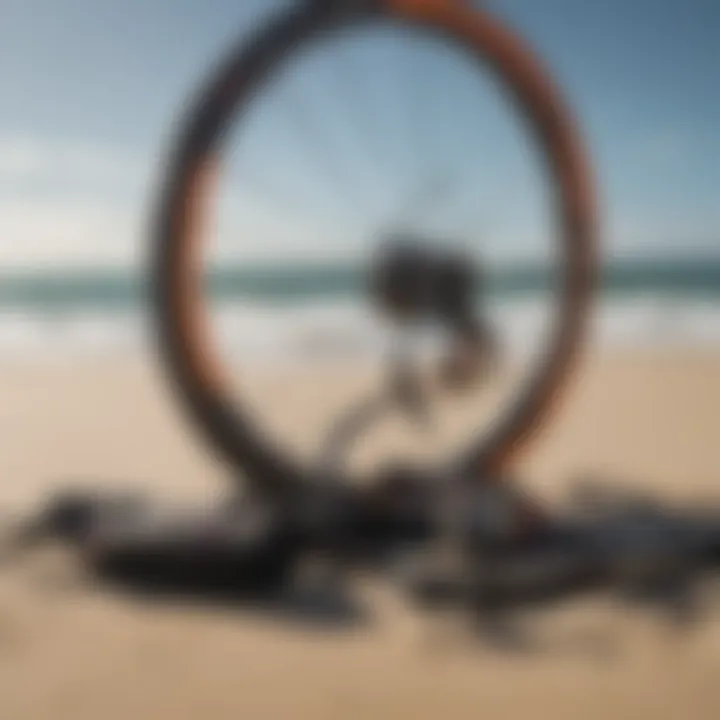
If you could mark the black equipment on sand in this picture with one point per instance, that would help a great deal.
(504, 551)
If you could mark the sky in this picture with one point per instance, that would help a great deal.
(92, 90)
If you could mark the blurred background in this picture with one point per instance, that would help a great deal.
(369, 133)
(363, 135)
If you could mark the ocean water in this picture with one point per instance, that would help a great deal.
(292, 312)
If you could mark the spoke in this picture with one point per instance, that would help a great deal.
(263, 189)
(415, 111)
(426, 198)
(315, 142)
(348, 85)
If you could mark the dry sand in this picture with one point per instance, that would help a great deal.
(68, 650)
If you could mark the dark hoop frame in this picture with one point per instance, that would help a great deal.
(177, 265)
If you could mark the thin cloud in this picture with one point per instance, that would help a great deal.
(38, 231)
(70, 203)
(37, 160)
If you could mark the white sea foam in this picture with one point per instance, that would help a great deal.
(346, 329)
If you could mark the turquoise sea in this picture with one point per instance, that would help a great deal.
(276, 308)
(60, 291)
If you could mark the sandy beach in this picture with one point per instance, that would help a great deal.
(70, 650)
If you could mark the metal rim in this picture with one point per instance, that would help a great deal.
(182, 326)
